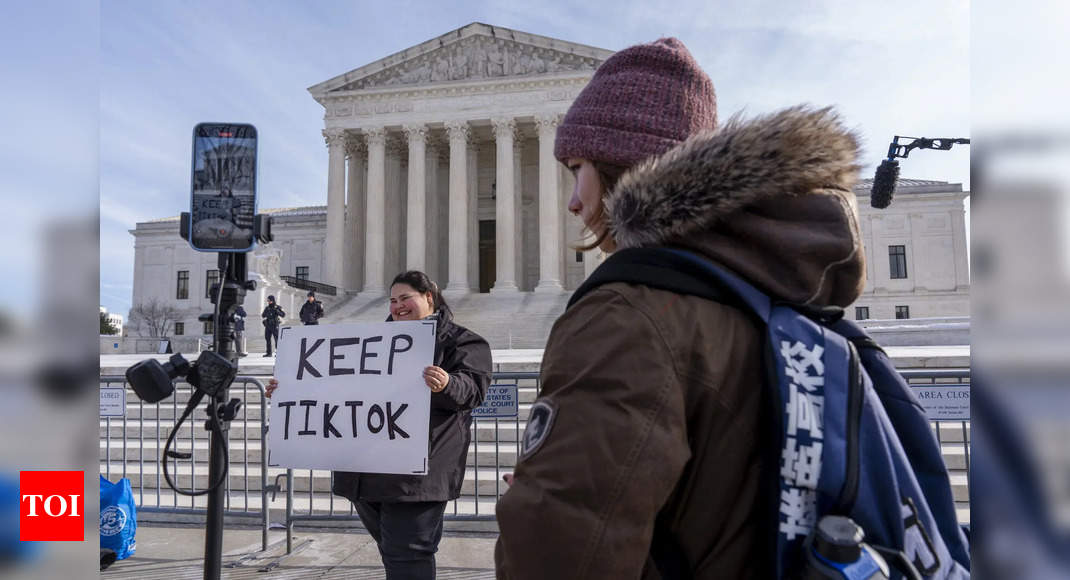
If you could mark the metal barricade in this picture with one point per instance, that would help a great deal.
(186, 473)
(494, 448)
(477, 499)
(953, 435)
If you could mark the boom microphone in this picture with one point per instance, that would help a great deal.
(884, 181)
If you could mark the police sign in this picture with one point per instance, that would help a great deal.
(501, 401)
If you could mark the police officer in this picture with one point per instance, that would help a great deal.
(311, 310)
(272, 315)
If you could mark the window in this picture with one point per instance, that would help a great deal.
(180, 328)
(209, 327)
(861, 312)
(897, 261)
(902, 312)
(579, 257)
(182, 289)
(302, 273)
(210, 277)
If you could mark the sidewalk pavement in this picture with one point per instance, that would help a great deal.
(177, 551)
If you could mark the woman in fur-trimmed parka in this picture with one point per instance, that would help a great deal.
(648, 453)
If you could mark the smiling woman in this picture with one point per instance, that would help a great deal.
(404, 513)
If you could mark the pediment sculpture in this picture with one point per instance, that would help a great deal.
(478, 57)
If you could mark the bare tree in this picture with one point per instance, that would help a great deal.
(154, 316)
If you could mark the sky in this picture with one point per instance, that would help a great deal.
(899, 69)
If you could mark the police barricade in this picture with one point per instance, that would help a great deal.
(126, 418)
(497, 430)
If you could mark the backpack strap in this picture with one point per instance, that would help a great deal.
(665, 269)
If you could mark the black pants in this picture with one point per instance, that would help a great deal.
(407, 534)
(271, 331)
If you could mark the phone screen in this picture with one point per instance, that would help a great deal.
(223, 200)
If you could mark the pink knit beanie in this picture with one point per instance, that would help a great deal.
(641, 102)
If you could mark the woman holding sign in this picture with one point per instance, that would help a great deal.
(404, 512)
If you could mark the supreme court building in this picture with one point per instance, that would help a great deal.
(440, 158)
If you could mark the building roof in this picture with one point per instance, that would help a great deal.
(307, 210)
(907, 185)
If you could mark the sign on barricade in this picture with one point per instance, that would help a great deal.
(501, 401)
(112, 402)
(352, 397)
(944, 402)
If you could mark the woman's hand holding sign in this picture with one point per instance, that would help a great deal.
(271, 386)
(436, 378)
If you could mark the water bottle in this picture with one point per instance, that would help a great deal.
(835, 549)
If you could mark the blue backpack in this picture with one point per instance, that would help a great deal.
(855, 442)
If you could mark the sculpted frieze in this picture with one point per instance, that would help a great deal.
(477, 57)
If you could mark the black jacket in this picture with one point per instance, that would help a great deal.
(466, 357)
(272, 315)
(311, 312)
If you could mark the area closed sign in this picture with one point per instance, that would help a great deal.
(352, 397)
(944, 402)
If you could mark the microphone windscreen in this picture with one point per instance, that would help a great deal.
(884, 181)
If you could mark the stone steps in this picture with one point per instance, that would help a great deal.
(240, 451)
(486, 479)
(321, 503)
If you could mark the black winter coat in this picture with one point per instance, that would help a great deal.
(466, 357)
(311, 312)
(272, 315)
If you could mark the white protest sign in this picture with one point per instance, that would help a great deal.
(352, 397)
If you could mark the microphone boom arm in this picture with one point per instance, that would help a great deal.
(940, 143)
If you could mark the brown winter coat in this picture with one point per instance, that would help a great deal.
(657, 443)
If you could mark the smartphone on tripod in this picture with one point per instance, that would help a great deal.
(223, 187)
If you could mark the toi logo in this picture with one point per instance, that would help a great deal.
(52, 506)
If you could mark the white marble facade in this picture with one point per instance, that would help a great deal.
(433, 145)
(433, 148)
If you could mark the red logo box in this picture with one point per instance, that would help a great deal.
(51, 506)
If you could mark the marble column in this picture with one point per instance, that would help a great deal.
(374, 230)
(473, 213)
(336, 196)
(397, 170)
(357, 152)
(435, 241)
(505, 206)
(518, 211)
(458, 132)
(416, 240)
(550, 255)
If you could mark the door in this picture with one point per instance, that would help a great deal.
(487, 256)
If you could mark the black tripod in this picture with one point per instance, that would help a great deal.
(211, 375)
(227, 297)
